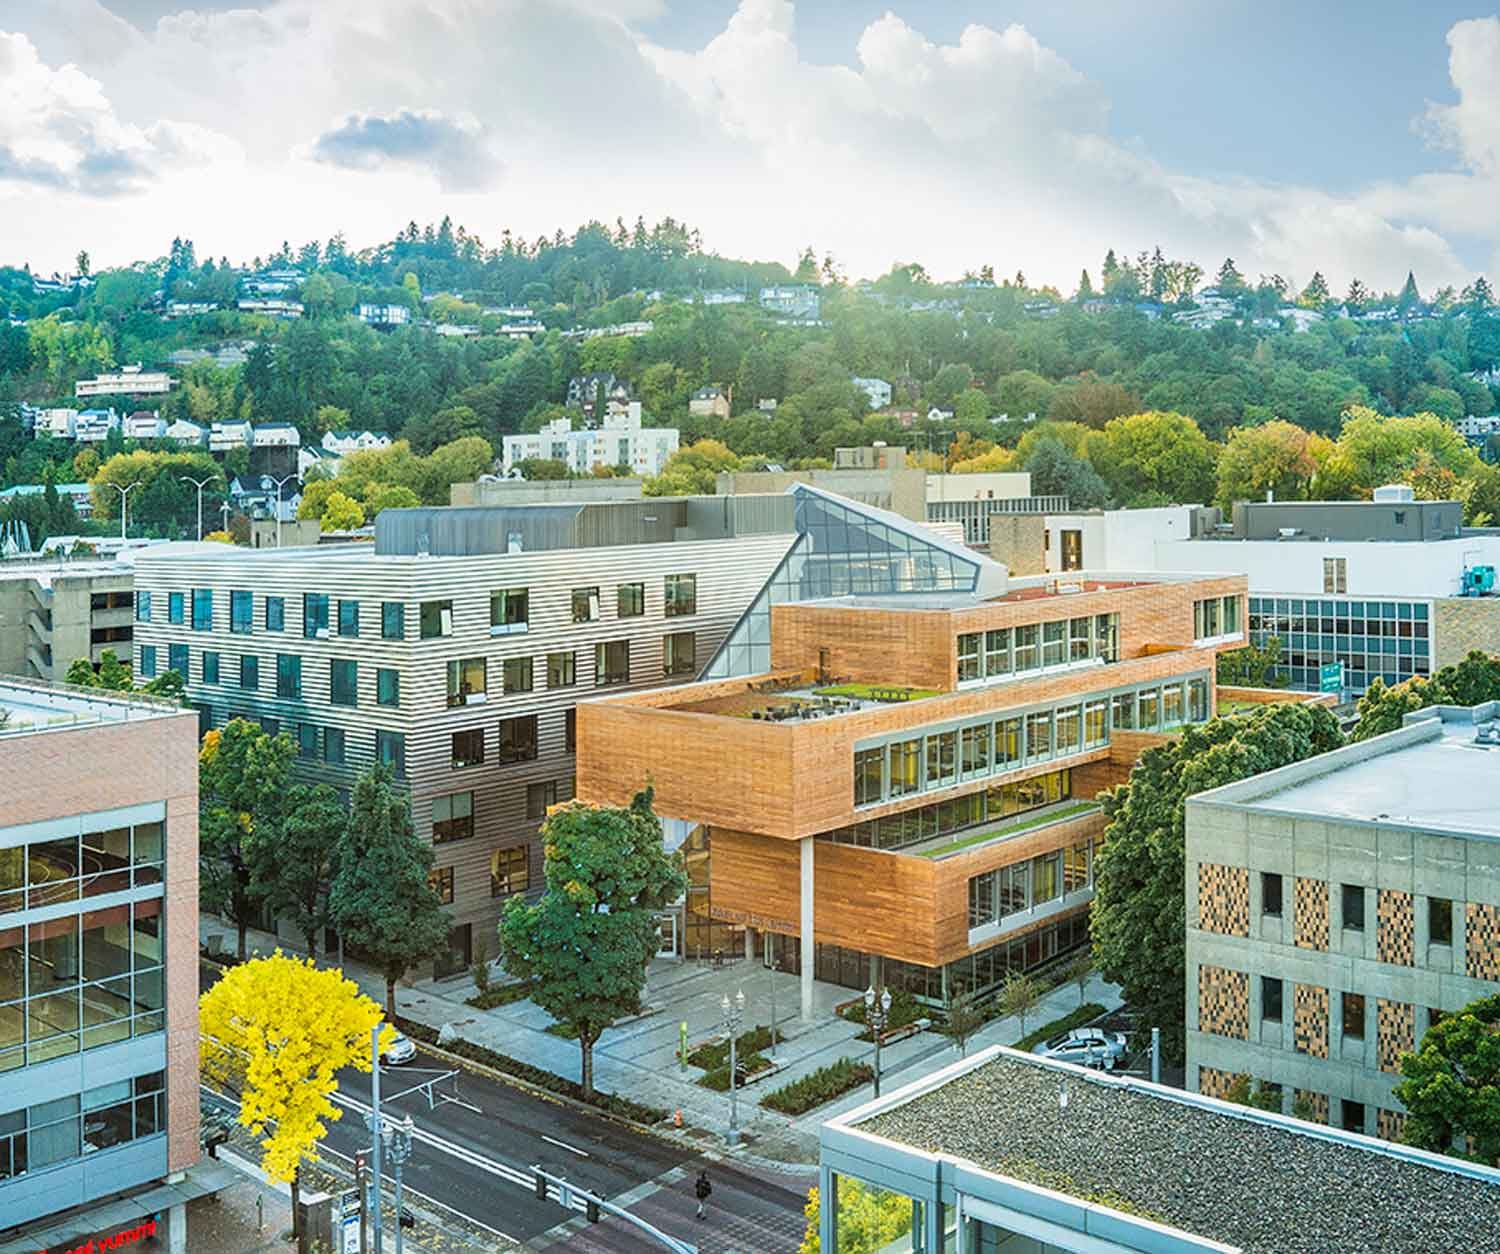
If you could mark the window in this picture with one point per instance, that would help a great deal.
(1171, 705)
(1206, 618)
(1270, 893)
(390, 750)
(177, 659)
(1039, 736)
(1440, 920)
(974, 750)
(561, 670)
(148, 661)
(288, 676)
(343, 682)
(1354, 1017)
(1353, 899)
(275, 613)
(1107, 637)
(611, 662)
(906, 767)
(570, 729)
(1076, 868)
(468, 748)
(1270, 998)
(203, 609)
(392, 620)
(1148, 709)
(314, 615)
(468, 681)
(440, 880)
(1026, 656)
(942, 759)
(1054, 643)
(869, 772)
(509, 872)
(1352, 1115)
(510, 611)
(1197, 711)
(970, 656)
(681, 596)
(249, 672)
(241, 612)
(142, 615)
(271, 726)
(1335, 576)
(1080, 639)
(210, 667)
(997, 652)
(539, 797)
(1095, 724)
(1122, 711)
(517, 739)
(436, 618)
(452, 817)
(1069, 729)
(348, 618)
(679, 653)
(333, 746)
(630, 600)
(982, 899)
(1045, 878)
(1231, 616)
(174, 607)
(517, 674)
(387, 687)
(307, 741)
(585, 605)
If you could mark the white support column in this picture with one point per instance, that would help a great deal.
(177, 1229)
(808, 951)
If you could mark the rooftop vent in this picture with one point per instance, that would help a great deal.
(1288, 533)
(1487, 734)
(1395, 492)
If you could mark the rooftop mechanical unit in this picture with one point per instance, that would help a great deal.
(1479, 581)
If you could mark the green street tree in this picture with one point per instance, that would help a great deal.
(1254, 666)
(583, 948)
(291, 869)
(381, 901)
(1138, 916)
(1471, 682)
(243, 777)
(1451, 1085)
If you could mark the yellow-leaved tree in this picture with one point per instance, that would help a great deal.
(275, 1032)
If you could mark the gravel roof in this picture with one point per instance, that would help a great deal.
(1244, 1182)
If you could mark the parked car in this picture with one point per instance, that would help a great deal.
(401, 1049)
(1089, 1047)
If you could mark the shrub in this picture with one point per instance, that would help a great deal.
(822, 1085)
(718, 1078)
(715, 1054)
(905, 1010)
(499, 995)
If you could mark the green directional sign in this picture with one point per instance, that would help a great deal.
(1331, 677)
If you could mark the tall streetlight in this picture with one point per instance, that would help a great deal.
(877, 1015)
(200, 484)
(124, 492)
(734, 1015)
(224, 515)
(267, 480)
(377, 1139)
(397, 1136)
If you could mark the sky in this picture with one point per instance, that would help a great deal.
(1358, 140)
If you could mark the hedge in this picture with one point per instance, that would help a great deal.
(715, 1054)
(1085, 1013)
(718, 1078)
(500, 995)
(553, 1083)
(820, 1086)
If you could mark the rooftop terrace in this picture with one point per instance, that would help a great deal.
(35, 705)
(1255, 1181)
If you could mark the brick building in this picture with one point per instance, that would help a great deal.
(1336, 908)
(903, 791)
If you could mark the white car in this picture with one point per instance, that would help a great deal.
(401, 1049)
(1089, 1047)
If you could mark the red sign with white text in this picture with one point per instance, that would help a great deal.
(144, 1231)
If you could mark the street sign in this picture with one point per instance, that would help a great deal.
(350, 1227)
(1331, 677)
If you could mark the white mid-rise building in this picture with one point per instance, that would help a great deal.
(878, 390)
(275, 435)
(127, 381)
(621, 441)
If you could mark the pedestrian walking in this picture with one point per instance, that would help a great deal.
(703, 1188)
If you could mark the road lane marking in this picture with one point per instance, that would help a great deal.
(572, 1149)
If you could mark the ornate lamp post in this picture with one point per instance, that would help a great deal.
(734, 1015)
(877, 1015)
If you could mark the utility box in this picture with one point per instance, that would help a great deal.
(315, 1223)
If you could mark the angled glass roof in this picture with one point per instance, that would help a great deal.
(844, 548)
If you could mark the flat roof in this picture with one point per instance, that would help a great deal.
(1431, 774)
(34, 705)
(1254, 1180)
(1026, 588)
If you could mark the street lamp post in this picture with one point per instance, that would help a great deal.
(124, 493)
(268, 479)
(377, 1137)
(877, 1015)
(200, 484)
(224, 515)
(397, 1134)
(734, 1014)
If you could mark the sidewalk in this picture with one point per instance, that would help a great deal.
(639, 1058)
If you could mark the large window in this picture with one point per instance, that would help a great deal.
(509, 872)
(307, 741)
(1335, 576)
(585, 604)
(1021, 886)
(452, 817)
(679, 652)
(288, 676)
(906, 767)
(390, 750)
(630, 600)
(333, 746)
(249, 672)
(275, 613)
(1054, 643)
(143, 607)
(174, 607)
(203, 609)
(468, 748)
(1006, 651)
(210, 667)
(436, 619)
(510, 611)
(1217, 616)
(392, 620)
(1027, 647)
(517, 739)
(72, 1127)
(314, 615)
(611, 662)
(348, 618)
(241, 612)
(942, 759)
(517, 674)
(177, 659)
(970, 656)
(869, 772)
(148, 661)
(343, 682)
(681, 596)
(387, 687)
(1038, 735)
(562, 670)
(468, 681)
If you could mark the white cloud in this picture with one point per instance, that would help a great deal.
(992, 148)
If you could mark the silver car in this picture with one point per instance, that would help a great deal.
(401, 1049)
(1089, 1047)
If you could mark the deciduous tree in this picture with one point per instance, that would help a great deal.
(291, 867)
(1450, 1085)
(1277, 456)
(869, 1219)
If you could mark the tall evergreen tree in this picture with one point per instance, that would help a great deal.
(1085, 288)
(1410, 298)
